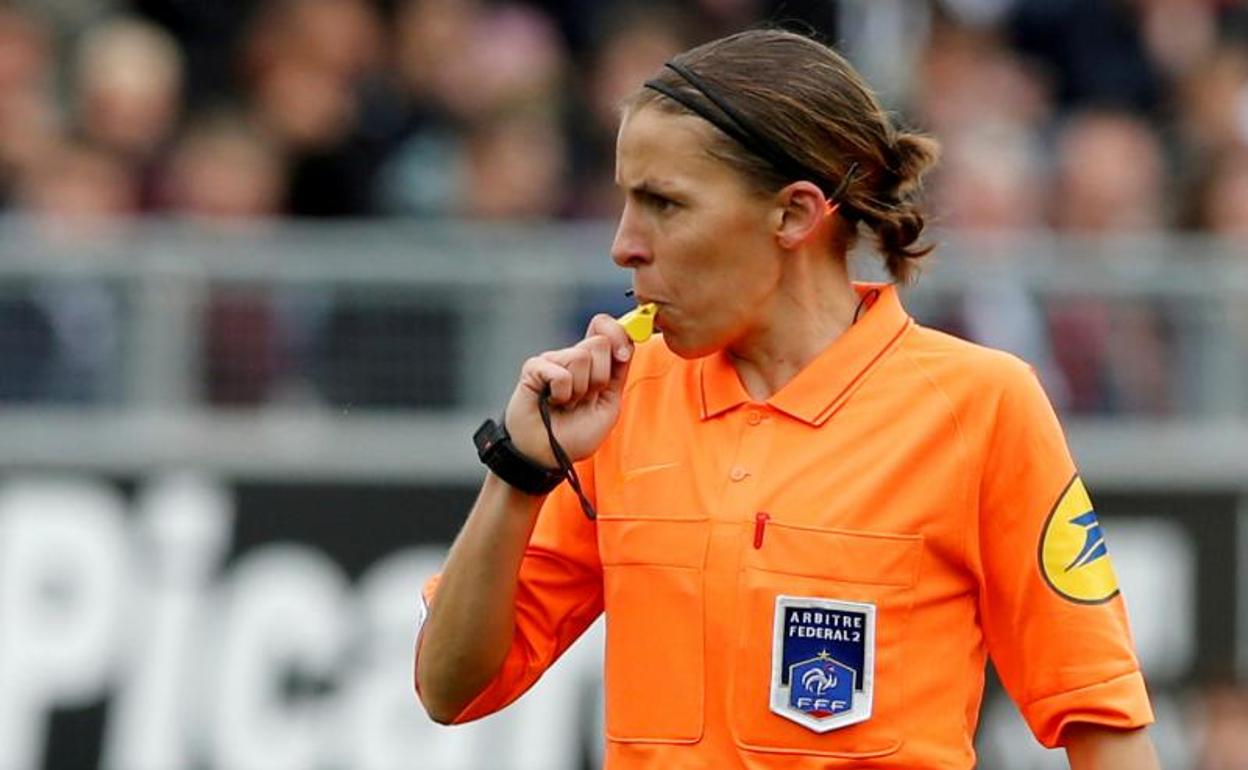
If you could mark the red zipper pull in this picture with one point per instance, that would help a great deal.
(760, 523)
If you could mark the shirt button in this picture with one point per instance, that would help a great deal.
(738, 473)
(754, 418)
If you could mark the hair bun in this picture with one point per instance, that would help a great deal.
(916, 155)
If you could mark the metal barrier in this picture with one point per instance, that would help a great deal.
(360, 349)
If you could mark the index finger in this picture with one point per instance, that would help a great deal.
(621, 345)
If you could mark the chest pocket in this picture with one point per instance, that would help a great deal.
(653, 548)
(834, 566)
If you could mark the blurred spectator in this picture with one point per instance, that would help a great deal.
(227, 170)
(1213, 106)
(424, 175)
(79, 189)
(1110, 181)
(431, 39)
(25, 53)
(1178, 34)
(226, 174)
(992, 180)
(968, 78)
(991, 186)
(128, 95)
(485, 134)
(311, 54)
(343, 37)
(128, 82)
(515, 61)
(1110, 175)
(515, 168)
(992, 191)
(462, 60)
(313, 67)
(633, 46)
(631, 49)
(308, 108)
(1223, 199)
(28, 122)
(76, 195)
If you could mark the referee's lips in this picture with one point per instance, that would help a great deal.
(645, 299)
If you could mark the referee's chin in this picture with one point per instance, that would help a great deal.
(688, 349)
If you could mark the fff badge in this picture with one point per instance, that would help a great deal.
(823, 662)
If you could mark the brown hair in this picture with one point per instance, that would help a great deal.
(804, 98)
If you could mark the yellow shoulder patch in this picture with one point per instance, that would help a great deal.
(1073, 556)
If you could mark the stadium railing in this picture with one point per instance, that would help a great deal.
(370, 349)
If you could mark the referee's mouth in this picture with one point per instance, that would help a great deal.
(644, 299)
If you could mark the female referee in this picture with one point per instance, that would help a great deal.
(808, 519)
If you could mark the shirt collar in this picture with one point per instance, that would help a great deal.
(813, 395)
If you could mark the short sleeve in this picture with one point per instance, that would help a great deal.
(1054, 622)
(558, 596)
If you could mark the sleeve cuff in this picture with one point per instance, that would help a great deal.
(1121, 702)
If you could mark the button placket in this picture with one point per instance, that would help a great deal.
(751, 448)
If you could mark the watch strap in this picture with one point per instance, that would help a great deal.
(499, 454)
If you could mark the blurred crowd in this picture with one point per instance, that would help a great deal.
(1083, 117)
(1087, 116)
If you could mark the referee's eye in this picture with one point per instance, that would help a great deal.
(657, 203)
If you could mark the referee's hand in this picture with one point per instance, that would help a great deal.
(585, 384)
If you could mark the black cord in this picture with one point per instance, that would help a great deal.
(561, 457)
(872, 295)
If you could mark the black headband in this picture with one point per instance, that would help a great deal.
(735, 125)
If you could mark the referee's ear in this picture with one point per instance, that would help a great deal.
(802, 213)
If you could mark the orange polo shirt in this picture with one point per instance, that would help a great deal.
(815, 580)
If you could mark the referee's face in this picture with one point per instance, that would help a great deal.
(700, 243)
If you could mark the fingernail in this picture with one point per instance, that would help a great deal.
(623, 354)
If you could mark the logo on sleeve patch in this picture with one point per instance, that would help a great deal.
(823, 662)
(1073, 556)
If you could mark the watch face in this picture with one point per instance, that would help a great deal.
(487, 437)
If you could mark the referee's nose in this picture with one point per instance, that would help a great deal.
(631, 247)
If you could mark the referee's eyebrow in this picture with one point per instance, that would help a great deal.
(649, 186)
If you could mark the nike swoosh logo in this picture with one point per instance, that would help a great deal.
(644, 469)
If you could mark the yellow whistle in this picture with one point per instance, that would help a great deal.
(639, 322)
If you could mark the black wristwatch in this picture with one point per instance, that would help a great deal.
(495, 449)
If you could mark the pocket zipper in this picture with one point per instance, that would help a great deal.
(760, 524)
